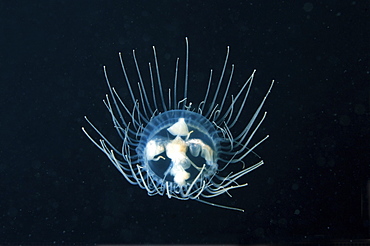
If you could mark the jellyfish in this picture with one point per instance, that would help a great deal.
(177, 148)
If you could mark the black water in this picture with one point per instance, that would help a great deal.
(56, 187)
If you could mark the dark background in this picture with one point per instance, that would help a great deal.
(56, 187)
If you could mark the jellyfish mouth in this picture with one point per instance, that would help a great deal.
(179, 158)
